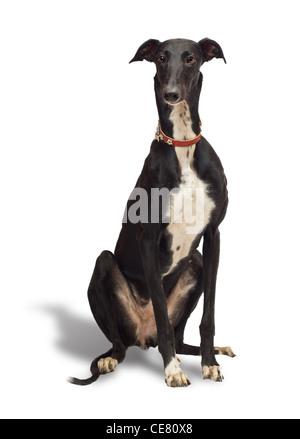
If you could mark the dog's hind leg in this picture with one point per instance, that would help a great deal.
(186, 349)
(106, 283)
(104, 293)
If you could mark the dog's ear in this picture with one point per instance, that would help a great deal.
(211, 49)
(146, 51)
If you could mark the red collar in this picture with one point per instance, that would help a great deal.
(160, 135)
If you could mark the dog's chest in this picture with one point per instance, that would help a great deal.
(190, 211)
(190, 205)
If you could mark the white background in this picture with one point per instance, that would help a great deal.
(76, 124)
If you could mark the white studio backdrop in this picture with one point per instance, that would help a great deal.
(76, 123)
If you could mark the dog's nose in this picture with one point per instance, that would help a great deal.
(172, 96)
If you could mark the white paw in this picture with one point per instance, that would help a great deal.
(174, 375)
(212, 373)
(107, 365)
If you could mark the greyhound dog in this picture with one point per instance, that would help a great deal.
(144, 293)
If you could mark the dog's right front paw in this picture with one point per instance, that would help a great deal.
(174, 375)
(178, 380)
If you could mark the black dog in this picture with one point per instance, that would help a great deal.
(143, 294)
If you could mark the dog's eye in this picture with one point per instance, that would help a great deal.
(190, 59)
(162, 59)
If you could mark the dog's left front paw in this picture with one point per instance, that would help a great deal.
(212, 373)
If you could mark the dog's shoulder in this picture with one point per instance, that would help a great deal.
(210, 169)
(208, 165)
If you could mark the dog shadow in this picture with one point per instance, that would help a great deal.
(81, 338)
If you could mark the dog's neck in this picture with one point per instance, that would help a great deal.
(181, 121)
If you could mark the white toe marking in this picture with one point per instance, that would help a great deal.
(174, 375)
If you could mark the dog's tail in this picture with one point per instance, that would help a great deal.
(94, 371)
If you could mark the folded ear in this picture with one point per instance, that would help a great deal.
(146, 51)
(211, 49)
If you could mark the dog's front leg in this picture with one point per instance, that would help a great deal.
(149, 249)
(211, 251)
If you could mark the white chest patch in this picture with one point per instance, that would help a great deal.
(191, 206)
(182, 122)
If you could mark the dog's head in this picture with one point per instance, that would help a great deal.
(178, 63)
